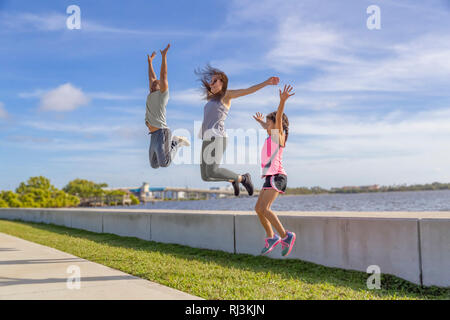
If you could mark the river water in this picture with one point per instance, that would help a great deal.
(380, 201)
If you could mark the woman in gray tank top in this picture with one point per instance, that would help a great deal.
(213, 134)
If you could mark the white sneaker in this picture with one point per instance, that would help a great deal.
(182, 141)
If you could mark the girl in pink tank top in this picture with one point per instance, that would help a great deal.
(272, 158)
(277, 126)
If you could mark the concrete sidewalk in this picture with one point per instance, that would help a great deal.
(29, 271)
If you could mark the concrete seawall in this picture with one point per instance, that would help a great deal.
(414, 246)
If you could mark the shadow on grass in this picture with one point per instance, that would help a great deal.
(288, 268)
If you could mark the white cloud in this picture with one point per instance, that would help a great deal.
(269, 97)
(86, 129)
(52, 21)
(64, 98)
(109, 96)
(3, 112)
(346, 63)
(38, 93)
(342, 56)
(114, 96)
(328, 135)
(334, 150)
(396, 123)
(132, 111)
(192, 96)
(31, 21)
(337, 141)
(417, 65)
(91, 26)
(299, 43)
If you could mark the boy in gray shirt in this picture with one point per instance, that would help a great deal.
(163, 147)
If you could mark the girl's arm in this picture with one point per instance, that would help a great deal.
(259, 118)
(233, 94)
(279, 119)
(151, 72)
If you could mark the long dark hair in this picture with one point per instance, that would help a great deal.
(273, 116)
(206, 75)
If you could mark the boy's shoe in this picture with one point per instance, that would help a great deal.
(182, 141)
(287, 243)
(271, 243)
(236, 188)
(247, 183)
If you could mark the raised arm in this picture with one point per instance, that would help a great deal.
(286, 94)
(151, 72)
(233, 94)
(164, 85)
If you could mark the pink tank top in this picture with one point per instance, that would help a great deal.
(271, 158)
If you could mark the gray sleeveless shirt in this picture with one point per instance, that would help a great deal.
(214, 116)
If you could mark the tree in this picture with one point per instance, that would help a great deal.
(11, 199)
(134, 200)
(38, 192)
(85, 189)
(114, 197)
(3, 203)
(27, 201)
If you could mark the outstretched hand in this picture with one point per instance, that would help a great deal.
(258, 117)
(273, 81)
(286, 94)
(164, 52)
(150, 59)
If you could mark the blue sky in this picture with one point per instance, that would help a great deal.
(371, 106)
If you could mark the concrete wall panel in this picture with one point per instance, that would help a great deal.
(208, 231)
(127, 224)
(435, 245)
(87, 220)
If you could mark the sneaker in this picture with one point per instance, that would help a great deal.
(182, 141)
(247, 183)
(287, 243)
(236, 188)
(271, 243)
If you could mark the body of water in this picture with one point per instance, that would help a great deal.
(380, 201)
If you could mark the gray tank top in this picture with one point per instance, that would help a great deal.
(214, 116)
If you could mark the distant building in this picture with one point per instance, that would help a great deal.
(228, 188)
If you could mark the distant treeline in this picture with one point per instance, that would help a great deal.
(38, 192)
(415, 187)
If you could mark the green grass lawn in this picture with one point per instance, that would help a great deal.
(214, 274)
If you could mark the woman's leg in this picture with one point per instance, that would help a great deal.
(212, 153)
(204, 167)
(266, 215)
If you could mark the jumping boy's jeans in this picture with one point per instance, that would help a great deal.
(162, 148)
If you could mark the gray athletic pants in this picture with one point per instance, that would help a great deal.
(162, 148)
(212, 154)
